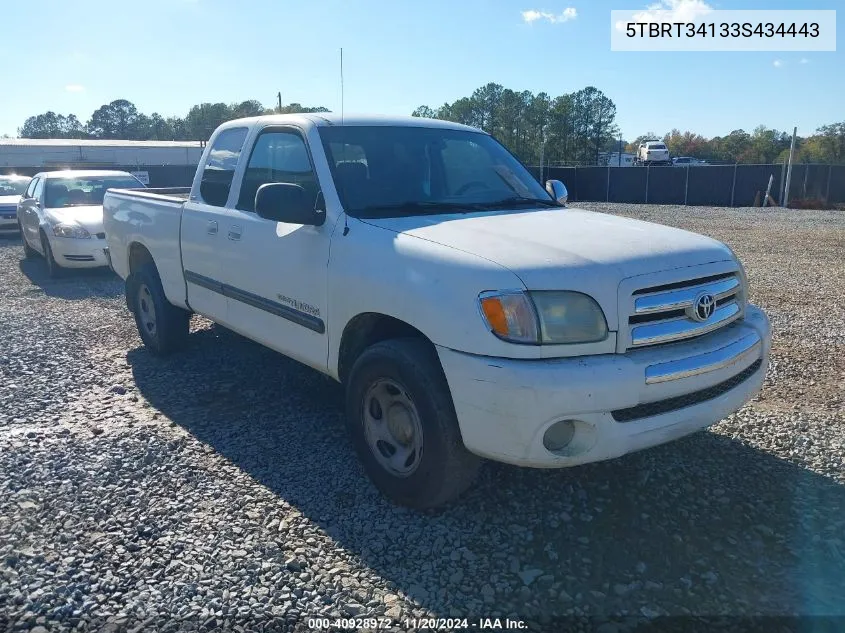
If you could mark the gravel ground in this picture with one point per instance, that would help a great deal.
(218, 489)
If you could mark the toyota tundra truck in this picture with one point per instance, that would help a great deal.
(468, 311)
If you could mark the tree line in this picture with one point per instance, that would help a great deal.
(572, 128)
(577, 128)
(121, 119)
(762, 146)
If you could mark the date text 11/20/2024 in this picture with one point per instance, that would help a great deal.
(416, 624)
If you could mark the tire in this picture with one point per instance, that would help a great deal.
(54, 270)
(439, 467)
(28, 251)
(162, 326)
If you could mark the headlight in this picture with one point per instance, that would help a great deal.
(569, 317)
(70, 230)
(511, 316)
(544, 317)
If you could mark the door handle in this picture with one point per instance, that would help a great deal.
(235, 232)
(212, 228)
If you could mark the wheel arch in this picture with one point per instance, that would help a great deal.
(138, 255)
(366, 329)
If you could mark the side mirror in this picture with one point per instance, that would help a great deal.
(557, 190)
(286, 202)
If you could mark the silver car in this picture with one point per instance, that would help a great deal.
(12, 187)
(61, 216)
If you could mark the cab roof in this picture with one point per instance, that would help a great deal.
(82, 173)
(332, 119)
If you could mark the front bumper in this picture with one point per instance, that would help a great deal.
(71, 252)
(621, 402)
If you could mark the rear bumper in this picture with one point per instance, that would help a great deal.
(620, 402)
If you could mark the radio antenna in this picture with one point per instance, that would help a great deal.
(345, 214)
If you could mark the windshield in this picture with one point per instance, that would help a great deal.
(80, 192)
(13, 186)
(383, 171)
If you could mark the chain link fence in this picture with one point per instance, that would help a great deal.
(712, 185)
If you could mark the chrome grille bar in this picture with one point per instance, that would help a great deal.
(683, 298)
(734, 353)
(682, 327)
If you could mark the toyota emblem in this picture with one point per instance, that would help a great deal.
(703, 306)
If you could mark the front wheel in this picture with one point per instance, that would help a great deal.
(54, 270)
(404, 427)
(163, 327)
(28, 251)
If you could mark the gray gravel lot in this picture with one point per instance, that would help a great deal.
(218, 489)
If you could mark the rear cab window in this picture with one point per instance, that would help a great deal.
(219, 169)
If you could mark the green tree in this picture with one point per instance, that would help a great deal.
(424, 112)
(52, 125)
(832, 142)
(686, 144)
(297, 108)
(733, 148)
(571, 128)
(116, 120)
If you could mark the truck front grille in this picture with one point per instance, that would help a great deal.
(687, 400)
(683, 310)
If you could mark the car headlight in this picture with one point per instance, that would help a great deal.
(545, 317)
(70, 230)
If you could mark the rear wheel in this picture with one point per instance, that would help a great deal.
(53, 268)
(28, 251)
(162, 326)
(404, 427)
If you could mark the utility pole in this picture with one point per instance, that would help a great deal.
(542, 156)
(620, 150)
(789, 169)
(279, 96)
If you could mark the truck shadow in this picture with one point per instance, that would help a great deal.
(707, 525)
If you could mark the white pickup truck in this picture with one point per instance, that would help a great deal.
(467, 310)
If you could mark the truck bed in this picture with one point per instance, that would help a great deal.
(149, 219)
(172, 194)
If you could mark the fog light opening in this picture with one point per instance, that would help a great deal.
(558, 436)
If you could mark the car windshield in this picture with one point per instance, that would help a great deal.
(385, 171)
(84, 191)
(10, 186)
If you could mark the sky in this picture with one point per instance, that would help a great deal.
(167, 55)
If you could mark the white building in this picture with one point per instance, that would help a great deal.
(56, 153)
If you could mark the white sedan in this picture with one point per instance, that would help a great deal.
(61, 216)
(11, 188)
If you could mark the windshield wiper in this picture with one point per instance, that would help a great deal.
(419, 207)
(428, 206)
(519, 200)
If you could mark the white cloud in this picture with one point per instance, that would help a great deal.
(804, 60)
(532, 15)
(671, 11)
(778, 63)
(74, 88)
